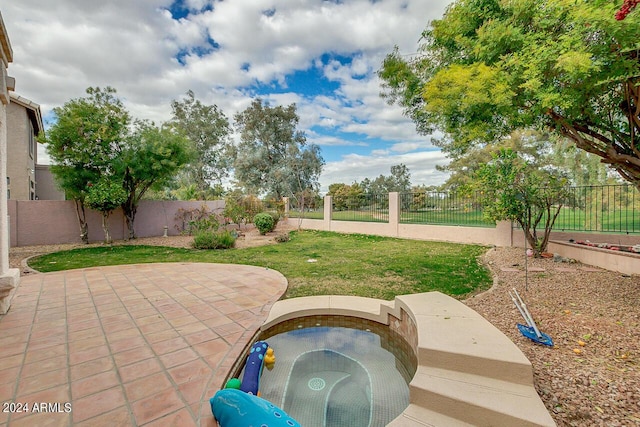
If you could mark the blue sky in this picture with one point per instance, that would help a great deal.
(322, 55)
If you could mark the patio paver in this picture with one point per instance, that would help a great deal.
(138, 345)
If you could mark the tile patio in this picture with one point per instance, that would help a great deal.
(134, 345)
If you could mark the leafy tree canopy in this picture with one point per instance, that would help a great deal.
(104, 196)
(273, 156)
(88, 130)
(150, 158)
(513, 189)
(207, 128)
(398, 181)
(530, 145)
(539, 149)
(490, 67)
(94, 141)
(346, 196)
(83, 143)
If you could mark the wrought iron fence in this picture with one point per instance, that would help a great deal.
(605, 208)
(602, 208)
(272, 205)
(362, 207)
(310, 207)
(442, 207)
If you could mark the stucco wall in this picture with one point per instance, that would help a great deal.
(498, 236)
(46, 187)
(44, 222)
(20, 164)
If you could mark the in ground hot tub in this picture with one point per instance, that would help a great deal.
(461, 370)
(337, 375)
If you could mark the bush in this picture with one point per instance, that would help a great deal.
(282, 237)
(240, 209)
(208, 239)
(193, 221)
(276, 218)
(263, 222)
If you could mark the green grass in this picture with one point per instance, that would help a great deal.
(346, 264)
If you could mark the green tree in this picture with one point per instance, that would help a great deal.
(489, 67)
(346, 196)
(582, 168)
(150, 157)
(513, 189)
(93, 138)
(273, 156)
(531, 145)
(82, 143)
(240, 209)
(208, 129)
(399, 181)
(104, 196)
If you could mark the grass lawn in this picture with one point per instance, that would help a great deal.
(345, 264)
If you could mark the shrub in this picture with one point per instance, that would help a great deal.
(209, 239)
(240, 209)
(282, 237)
(276, 218)
(193, 221)
(263, 222)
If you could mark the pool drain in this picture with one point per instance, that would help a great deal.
(316, 384)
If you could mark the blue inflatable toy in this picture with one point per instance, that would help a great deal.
(261, 355)
(234, 408)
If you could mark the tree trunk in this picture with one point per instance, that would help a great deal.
(82, 220)
(301, 215)
(105, 227)
(531, 238)
(129, 218)
(129, 209)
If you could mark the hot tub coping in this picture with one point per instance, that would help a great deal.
(457, 349)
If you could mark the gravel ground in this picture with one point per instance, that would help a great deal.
(591, 377)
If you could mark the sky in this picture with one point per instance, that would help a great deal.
(321, 55)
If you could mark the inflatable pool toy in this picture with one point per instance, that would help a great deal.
(269, 359)
(238, 404)
(261, 355)
(234, 408)
(233, 383)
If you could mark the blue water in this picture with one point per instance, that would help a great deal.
(335, 376)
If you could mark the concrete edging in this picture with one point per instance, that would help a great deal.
(469, 373)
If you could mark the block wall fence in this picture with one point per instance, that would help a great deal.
(504, 234)
(49, 222)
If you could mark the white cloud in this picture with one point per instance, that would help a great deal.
(62, 47)
(355, 168)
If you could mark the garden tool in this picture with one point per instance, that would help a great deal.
(531, 330)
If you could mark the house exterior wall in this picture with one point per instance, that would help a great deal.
(46, 186)
(9, 277)
(21, 154)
